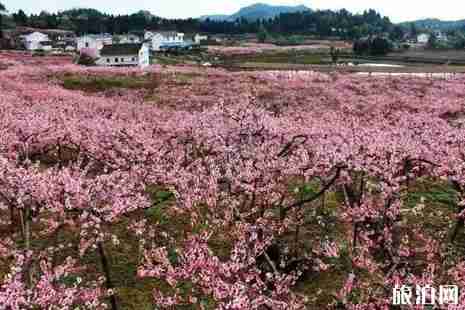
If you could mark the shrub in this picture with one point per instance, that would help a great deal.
(39, 53)
(406, 46)
(372, 46)
(86, 60)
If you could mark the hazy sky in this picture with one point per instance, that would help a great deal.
(397, 10)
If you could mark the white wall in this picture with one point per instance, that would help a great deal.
(423, 38)
(159, 39)
(128, 39)
(37, 37)
(142, 59)
(92, 43)
(198, 38)
(123, 60)
(148, 35)
(33, 46)
(46, 47)
(144, 56)
(88, 42)
(33, 41)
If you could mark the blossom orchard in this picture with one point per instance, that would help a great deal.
(321, 186)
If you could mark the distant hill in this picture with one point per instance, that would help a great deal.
(218, 17)
(258, 11)
(436, 24)
(89, 13)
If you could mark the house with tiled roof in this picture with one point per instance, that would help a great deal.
(36, 41)
(127, 38)
(94, 41)
(40, 39)
(198, 38)
(127, 54)
(159, 39)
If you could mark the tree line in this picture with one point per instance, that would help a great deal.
(325, 23)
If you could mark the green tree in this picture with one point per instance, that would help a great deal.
(2, 10)
(116, 39)
(334, 55)
(432, 41)
(397, 33)
(362, 47)
(67, 24)
(413, 30)
(380, 46)
(20, 18)
(372, 46)
(458, 40)
(262, 34)
(355, 32)
(85, 59)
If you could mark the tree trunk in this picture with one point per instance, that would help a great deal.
(106, 271)
(26, 230)
(12, 217)
(458, 226)
(354, 241)
(296, 241)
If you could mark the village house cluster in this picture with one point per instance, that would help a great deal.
(44, 39)
(423, 38)
(107, 49)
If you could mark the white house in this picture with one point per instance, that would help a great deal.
(144, 56)
(96, 42)
(423, 38)
(198, 38)
(441, 36)
(161, 38)
(127, 38)
(36, 41)
(127, 54)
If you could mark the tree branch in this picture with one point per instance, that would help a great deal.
(321, 192)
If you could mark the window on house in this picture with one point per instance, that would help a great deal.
(133, 58)
(87, 44)
(116, 59)
(108, 59)
(122, 59)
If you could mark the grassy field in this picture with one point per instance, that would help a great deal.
(100, 83)
(436, 54)
(291, 58)
(425, 69)
(412, 61)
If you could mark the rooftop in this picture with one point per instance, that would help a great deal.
(128, 35)
(28, 30)
(98, 36)
(121, 49)
(165, 32)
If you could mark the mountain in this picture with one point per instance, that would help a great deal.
(258, 11)
(218, 17)
(436, 24)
